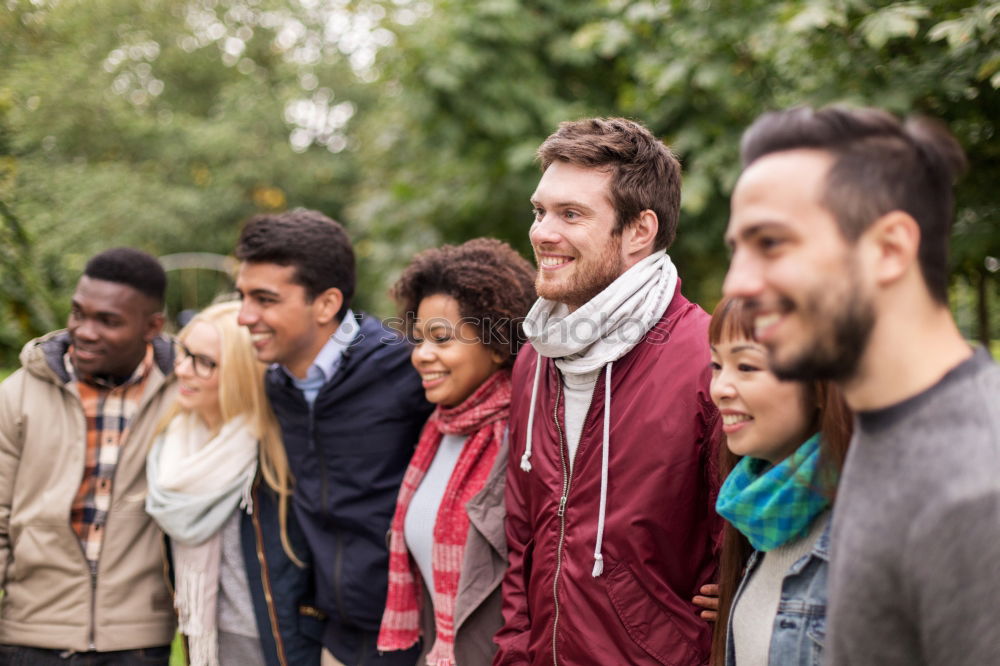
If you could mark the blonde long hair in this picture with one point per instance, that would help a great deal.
(241, 391)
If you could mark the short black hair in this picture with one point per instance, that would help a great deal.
(128, 266)
(881, 163)
(493, 285)
(316, 246)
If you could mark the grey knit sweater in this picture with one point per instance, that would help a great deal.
(915, 560)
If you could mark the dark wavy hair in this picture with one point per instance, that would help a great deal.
(493, 285)
(316, 246)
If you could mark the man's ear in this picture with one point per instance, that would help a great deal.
(327, 305)
(154, 325)
(639, 237)
(893, 242)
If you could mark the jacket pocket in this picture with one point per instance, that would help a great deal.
(651, 624)
(816, 631)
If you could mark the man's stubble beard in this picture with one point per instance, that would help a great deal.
(835, 353)
(588, 281)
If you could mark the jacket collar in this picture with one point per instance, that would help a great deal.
(370, 336)
(43, 357)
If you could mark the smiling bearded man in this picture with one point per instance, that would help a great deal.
(839, 229)
(613, 433)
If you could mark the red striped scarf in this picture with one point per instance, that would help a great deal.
(483, 417)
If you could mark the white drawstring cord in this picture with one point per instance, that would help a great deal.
(526, 458)
(605, 445)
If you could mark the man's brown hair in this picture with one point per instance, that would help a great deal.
(645, 174)
(881, 164)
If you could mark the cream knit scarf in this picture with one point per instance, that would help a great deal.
(196, 481)
(607, 326)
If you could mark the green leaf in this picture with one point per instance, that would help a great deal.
(892, 22)
(990, 67)
(816, 16)
(958, 31)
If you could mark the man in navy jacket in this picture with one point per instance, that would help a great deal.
(350, 407)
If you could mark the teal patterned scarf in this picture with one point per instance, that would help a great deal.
(772, 505)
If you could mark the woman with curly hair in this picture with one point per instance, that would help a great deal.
(462, 307)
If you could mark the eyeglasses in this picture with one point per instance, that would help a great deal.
(202, 365)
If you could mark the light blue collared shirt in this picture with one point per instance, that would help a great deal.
(327, 361)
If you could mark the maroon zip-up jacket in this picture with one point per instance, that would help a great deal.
(661, 531)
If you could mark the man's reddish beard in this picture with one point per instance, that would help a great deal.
(590, 277)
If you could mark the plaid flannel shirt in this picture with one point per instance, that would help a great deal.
(108, 411)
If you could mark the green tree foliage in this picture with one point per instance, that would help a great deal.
(469, 90)
(160, 125)
(163, 123)
(472, 88)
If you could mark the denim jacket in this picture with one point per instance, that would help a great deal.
(800, 626)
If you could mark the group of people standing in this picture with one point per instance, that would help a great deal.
(568, 464)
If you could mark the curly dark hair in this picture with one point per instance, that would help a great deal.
(493, 284)
(315, 245)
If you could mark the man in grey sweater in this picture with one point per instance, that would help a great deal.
(839, 230)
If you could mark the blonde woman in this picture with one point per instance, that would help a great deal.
(242, 593)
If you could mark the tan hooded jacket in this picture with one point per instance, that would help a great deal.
(50, 599)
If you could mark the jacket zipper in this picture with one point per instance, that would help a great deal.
(363, 657)
(92, 640)
(567, 483)
(91, 636)
(324, 494)
(265, 580)
(567, 479)
(92, 567)
(324, 490)
(338, 565)
(323, 497)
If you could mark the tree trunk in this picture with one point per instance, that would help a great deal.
(982, 307)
